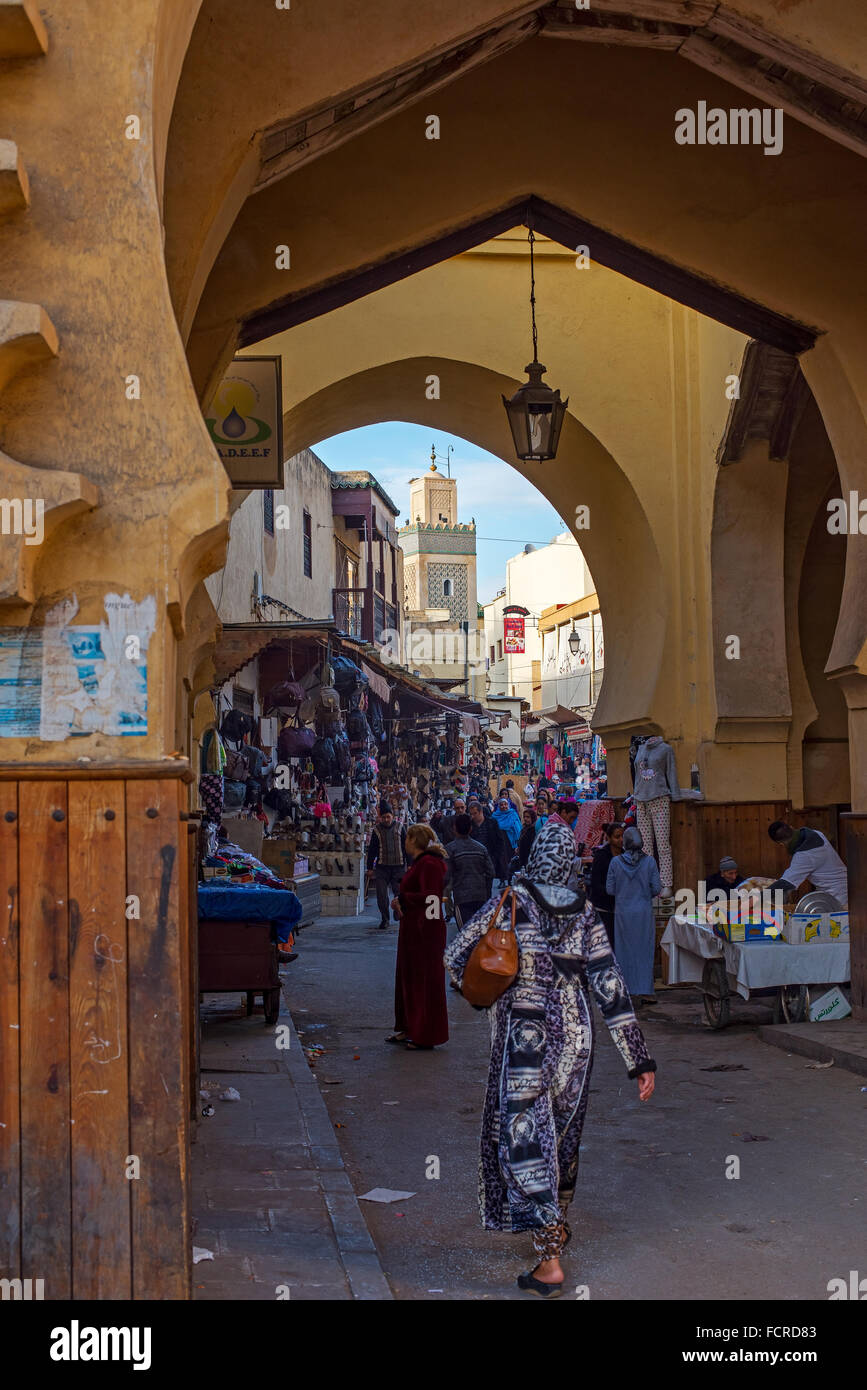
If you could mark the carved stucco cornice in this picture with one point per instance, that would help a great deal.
(773, 394)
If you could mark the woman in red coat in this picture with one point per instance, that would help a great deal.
(420, 1011)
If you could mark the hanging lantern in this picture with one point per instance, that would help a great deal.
(535, 412)
(574, 640)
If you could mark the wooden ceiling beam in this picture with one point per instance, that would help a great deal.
(733, 26)
(777, 92)
(316, 131)
(645, 267)
(623, 35)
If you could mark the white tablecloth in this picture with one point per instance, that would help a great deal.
(754, 965)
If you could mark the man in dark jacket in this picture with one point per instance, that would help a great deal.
(447, 831)
(471, 870)
(386, 861)
(489, 834)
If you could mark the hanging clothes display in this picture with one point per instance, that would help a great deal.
(549, 755)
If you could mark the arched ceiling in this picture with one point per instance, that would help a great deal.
(774, 229)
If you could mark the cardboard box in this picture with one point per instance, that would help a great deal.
(279, 855)
(832, 1004)
(247, 835)
(802, 928)
(745, 932)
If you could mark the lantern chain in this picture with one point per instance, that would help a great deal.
(533, 298)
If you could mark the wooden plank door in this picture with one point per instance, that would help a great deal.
(100, 1149)
(159, 1129)
(46, 1235)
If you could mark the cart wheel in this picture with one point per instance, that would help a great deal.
(791, 1004)
(271, 1001)
(715, 986)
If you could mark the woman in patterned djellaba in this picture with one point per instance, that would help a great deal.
(542, 1052)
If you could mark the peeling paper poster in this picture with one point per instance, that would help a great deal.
(69, 679)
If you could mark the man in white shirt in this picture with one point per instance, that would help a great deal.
(813, 858)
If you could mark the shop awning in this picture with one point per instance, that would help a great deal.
(535, 731)
(558, 714)
(239, 643)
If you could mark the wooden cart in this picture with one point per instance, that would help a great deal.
(791, 1002)
(697, 955)
(240, 956)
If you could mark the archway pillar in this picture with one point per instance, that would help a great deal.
(845, 417)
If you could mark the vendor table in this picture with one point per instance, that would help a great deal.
(697, 954)
(237, 945)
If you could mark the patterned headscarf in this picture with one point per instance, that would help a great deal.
(552, 856)
(545, 879)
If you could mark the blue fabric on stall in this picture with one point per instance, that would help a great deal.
(253, 903)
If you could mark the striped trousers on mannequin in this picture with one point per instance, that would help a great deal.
(653, 819)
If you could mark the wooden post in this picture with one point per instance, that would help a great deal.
(854, 824)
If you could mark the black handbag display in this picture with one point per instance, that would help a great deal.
(324, 760)
(348, 678)
(234, 794)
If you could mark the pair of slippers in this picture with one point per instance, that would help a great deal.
(400, 1040)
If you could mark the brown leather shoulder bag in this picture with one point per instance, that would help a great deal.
(493, 963)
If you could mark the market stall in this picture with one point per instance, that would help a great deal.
(697, 954)
(245, 913)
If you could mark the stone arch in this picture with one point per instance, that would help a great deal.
(619, 534)
(777, 583)
(815, 565)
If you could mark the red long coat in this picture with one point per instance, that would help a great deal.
(420, 1008)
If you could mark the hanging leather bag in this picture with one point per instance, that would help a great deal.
(329, 700)
(294, 742)
(493, 963)
(236, 766)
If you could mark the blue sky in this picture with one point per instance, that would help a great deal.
(508, 510)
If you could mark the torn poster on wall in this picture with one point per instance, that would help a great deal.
(69, 679)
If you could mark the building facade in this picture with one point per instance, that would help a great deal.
(572, 679)
(536, 580)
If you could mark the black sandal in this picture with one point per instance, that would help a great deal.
(398, 1038)
(530, 1284)
(417, 1047)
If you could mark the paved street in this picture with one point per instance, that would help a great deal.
(274, 1212)
(655, 1215)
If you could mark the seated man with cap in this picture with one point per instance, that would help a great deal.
(729, 876)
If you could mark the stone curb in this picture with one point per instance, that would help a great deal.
(795, 1038)
(355, 1245)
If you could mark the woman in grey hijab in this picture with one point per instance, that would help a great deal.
(633, 882)
(542, 1052)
